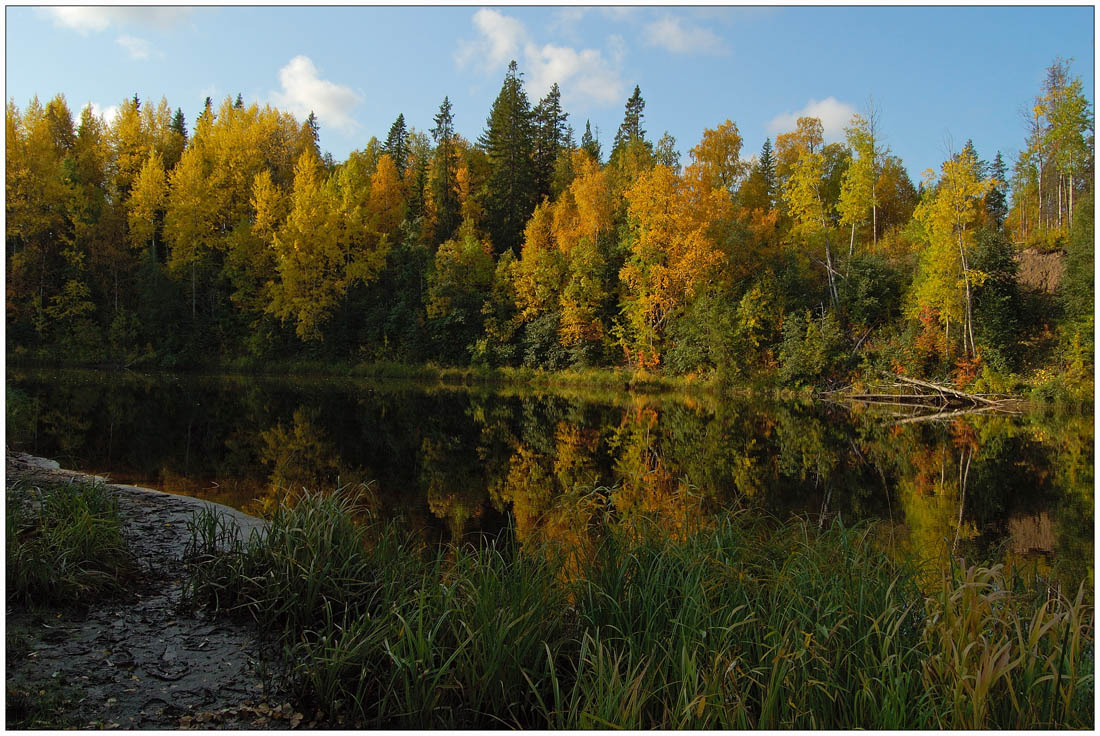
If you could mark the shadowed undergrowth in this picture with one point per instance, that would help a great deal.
(64, 543)
(741, 624)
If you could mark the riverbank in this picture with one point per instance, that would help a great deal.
(138, 658)
(734, 622)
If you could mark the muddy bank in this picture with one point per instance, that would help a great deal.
(139, 660)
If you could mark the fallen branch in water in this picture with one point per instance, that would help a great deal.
(944, 415)
(917, 393)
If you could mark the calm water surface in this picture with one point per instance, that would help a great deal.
(453, 462)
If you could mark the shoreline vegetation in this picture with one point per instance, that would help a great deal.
(1041, 391)
(529, 256)
(734, 623)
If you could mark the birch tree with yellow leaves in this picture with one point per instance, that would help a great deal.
(949, 215)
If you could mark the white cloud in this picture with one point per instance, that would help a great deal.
(582, 74)
(139, 48)
(501, 37)
(834, 114)
(304, 91)
(566, 20)
(86, 19)
(108, 113)
(671, 34)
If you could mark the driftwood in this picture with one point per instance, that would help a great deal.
(944, 415)
(944, 401)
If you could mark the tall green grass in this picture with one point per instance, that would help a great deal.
(64, 543)
(740, 624)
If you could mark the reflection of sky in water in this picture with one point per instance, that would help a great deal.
(454, 462)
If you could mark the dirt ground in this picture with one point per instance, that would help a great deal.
(139, 660)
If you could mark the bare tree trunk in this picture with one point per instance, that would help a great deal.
(1059, 200)
(1071, 200)
(969, 313)
(829, 268)
(192, 290)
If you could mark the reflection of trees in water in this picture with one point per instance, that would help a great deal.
(649, 488)
(302, 460)
(453, 483)
(461, 460)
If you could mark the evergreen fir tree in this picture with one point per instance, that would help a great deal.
(591, 143)
(508, 141)
(631, 127)
(239, 103)
(448, 215)
(397, 144)
(549, 139)
(996, 202)
(178, 124)
(766, 165)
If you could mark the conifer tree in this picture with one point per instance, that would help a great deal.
(766, 166)
(445, 170)
(590, 143)
(508, 141)
(631, 127)
(397, 145)
(179, 124)
(549, 139)
(996, 202)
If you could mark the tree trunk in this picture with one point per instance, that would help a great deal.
(969, 326)
(1059, 200)
(1040, 223)
(193, 290)
(1071, 200)
(829, 269)
(874, 212)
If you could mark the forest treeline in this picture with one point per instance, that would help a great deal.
(144, 241)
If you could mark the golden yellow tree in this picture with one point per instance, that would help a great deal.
(147, 199)
(949, 215)
(802, 159)
(673, 252)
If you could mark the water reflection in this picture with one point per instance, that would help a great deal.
(456, 462)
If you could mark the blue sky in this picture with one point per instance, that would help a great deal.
(935, 73)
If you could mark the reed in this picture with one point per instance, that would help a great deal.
(64, 543)
(744, 623)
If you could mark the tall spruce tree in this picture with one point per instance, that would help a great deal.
(631, 127)
(766, 165)
(996, 202)
(508, 141)
(397, 144)
(549, 139)
(591, 143)
(178, 124)
(445, 169)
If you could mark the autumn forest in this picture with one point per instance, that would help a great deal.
(153, 240)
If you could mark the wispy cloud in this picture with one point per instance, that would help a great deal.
(583, 74)
(108, 113)
(672, 34)
(500, 39)
(304, 91)
(85, 19)
(834, 115)
(139, 48)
